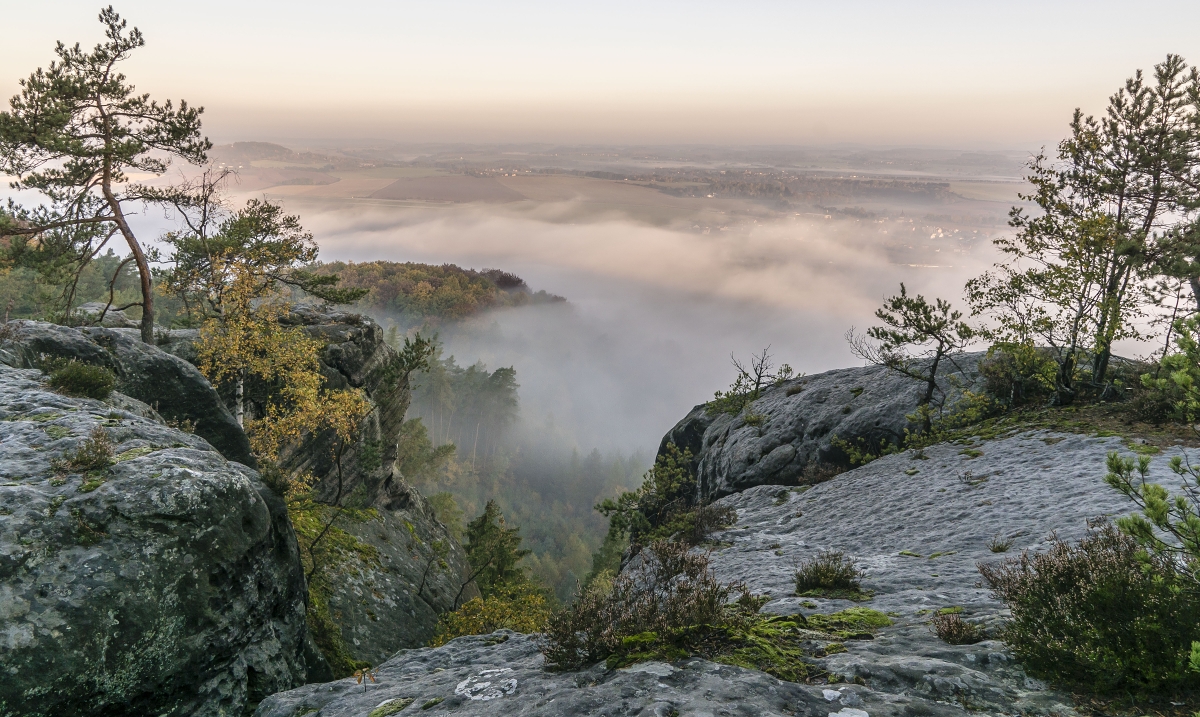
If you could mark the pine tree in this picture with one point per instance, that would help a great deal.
(74, 133)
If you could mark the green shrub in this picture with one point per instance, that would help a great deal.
(75, 378)
(93, 455)
(1017, 374)
(667, 607)
(830, 574)
(519, 607)
(952, 629)
(1102, 614)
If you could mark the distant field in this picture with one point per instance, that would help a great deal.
(448, 188)
(989, 191)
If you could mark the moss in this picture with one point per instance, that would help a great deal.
(135, 453)
(839, 594)
(432, 703)
(391, 707)
(935, 556)
(952, 610)
(971, 453)
(92, 481)
(910, 554)
(834, 648)
(772, 644)
(849, 622)
(753, 419)
(44, 417)
(911, 472)
(55, 503)
(337, 552)
(57, 432)
(857, 391)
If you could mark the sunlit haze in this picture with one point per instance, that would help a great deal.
(924, 73)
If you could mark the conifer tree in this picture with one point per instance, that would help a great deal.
(74, 133)
(935, 331)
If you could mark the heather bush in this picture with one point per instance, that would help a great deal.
(1101, 614)
(952, 629)
(75, 378)
(830, 574)
(668, 606)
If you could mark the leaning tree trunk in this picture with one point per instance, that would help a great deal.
(138, 256)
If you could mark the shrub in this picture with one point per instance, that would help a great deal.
(94, 454)
(521, 608)
(829, 573)
(74, 378)
(667, 607)
(1018, 374)
(952, 629)
(665, 506)
(1102, 614)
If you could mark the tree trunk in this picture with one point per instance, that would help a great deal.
(1194, 281)
(239, 399)
(1064, 392)
(927, 424)
(138, 256)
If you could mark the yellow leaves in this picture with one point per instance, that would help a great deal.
(521, 608)
(247, 341)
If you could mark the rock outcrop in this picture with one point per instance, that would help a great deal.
(795, 423)
(411, 567)
(917, 526)
(166, 583)
(172, 387)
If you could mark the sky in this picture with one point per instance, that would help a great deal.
(938, 74)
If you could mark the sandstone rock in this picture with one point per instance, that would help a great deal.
(800, 417)
(392, 600)
(172, 387)
(92, 311)
(166, 584)
(503, 673)
(918, 537)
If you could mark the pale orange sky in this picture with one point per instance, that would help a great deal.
(999, 74)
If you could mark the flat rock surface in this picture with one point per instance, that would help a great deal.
(941, 511)
(168, 583)
(919, 528)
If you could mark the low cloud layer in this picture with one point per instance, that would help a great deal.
(654, 312)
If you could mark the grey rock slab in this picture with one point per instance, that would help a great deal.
(919, 538)
(169, 385)
(503, 674)
(800, 418)
(167, 584)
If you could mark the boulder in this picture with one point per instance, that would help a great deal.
(171, 386)
(919, 524)
(796, 421)
(168, 583)
(99, 314)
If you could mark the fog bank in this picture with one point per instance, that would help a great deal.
(653, 313)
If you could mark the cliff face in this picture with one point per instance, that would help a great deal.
(798, 420)
(392, 600)
(166, 583)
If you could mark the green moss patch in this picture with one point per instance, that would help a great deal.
(135, 453)
(768, 643)
(850, 622)
(391, 707)
(839, 594)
